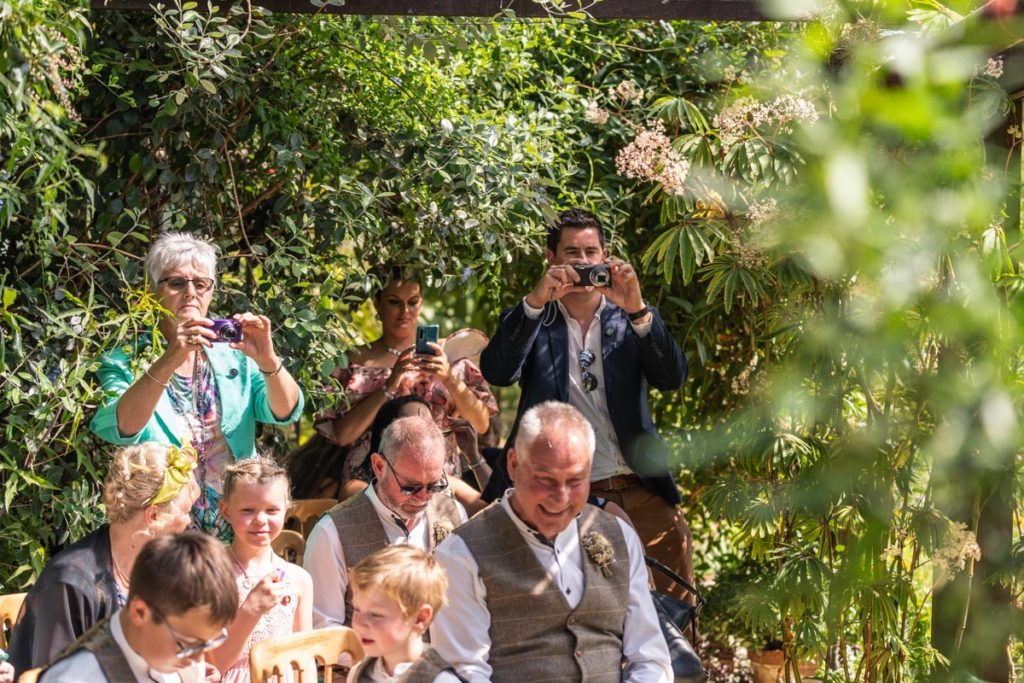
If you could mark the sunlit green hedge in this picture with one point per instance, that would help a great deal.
(816, 210)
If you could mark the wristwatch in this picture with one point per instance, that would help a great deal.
(636, 315)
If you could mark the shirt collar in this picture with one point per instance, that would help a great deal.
(597, 313)
(564, 538)
(139, 666)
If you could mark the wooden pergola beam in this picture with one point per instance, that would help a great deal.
(707, 10)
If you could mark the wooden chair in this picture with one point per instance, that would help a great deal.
(303, 513)
(290, 546)
(10, 608)
(301, 652)
(30, 676)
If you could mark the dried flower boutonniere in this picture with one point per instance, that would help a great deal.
(442, 527)
(599, 550)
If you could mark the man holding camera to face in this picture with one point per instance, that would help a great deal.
(584, 335)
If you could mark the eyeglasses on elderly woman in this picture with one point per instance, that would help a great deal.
(178, 284)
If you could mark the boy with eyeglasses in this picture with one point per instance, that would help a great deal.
(407, 502)
(181, 598)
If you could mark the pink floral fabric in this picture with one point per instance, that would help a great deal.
(360, 381)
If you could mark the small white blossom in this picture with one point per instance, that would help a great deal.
(994, 67)
(596, 114)
(627, 91)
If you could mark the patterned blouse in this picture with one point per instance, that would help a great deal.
(361, 381)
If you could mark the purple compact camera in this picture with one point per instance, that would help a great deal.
(227, 330)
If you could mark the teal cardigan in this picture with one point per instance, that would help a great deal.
(243, 401)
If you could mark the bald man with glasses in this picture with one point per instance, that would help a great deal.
(408, 501)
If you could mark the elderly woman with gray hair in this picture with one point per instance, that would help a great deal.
(211, 381)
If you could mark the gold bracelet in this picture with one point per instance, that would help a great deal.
(272, 373)
(163, 384)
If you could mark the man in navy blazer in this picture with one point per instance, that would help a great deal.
(594, 342)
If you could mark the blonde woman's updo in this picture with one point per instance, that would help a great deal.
(136, 475)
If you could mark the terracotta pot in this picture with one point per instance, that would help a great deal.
(768, 666)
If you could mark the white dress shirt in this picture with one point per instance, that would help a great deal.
(325, 558)
(608, 460)
(83, 667)
(378, 674)
(461, 631)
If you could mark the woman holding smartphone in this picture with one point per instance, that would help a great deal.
(389, 367)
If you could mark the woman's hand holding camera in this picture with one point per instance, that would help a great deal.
(189, 335)
(256, 340)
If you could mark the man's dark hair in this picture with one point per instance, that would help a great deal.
(573, 218)
(178, 572)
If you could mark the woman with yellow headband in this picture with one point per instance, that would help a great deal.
(149, 491)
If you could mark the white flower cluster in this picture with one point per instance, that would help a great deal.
(953, 556)
(762, 211)
(741, 382)
(747, 114)
(1015, 132)
(650, 156)
(993, 67)
(627, 91)
(596, 114)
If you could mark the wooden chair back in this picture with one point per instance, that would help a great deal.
(10, 608)
(30, 676)
(303, 513)
(300, 653)
(290, 546)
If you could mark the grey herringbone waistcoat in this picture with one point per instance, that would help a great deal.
(425, 670)
(100, 642)
(534, 634)
(361, 532)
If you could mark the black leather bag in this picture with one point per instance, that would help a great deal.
(675, 616)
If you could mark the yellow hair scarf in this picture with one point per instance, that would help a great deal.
(180, 463)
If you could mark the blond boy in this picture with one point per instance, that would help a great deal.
(395, 594)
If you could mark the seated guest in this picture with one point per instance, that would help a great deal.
(211, 382)
(396, 592)
(542, 586)
(275, 596)
(182, 598)
(407, 503)
(148, 492)
(465, 437)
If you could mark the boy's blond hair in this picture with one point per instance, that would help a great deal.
(406, 574)
(256, 470)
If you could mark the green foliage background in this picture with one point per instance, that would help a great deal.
(854, 351)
